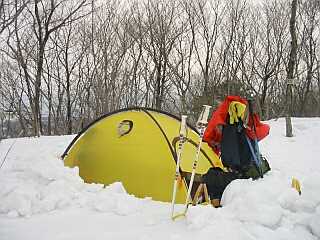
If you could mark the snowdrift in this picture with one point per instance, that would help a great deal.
(40, 198)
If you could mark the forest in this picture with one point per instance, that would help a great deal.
(65, 63)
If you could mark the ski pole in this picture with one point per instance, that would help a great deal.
(256, 153)
(201, 124)
(182, 136)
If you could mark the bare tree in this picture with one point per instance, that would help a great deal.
(209, 15)
(231, 34)
(309, 15)
(162, 31)
(176, 54)
(9, 12)
(268, 40)
(318, 86)
(136, 95)
(291, 66)
(46, 20)
(69, 55)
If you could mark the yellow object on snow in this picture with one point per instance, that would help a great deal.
(296, 185)
(236, 111)
(138, 148)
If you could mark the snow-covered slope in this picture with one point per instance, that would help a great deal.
(41, 199)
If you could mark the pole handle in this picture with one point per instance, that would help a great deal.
(183, 126)
(203, 118)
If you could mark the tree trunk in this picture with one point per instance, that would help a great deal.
(69, 117)
(291, 64)
(264, 96)
(158, 89)
(49, 128)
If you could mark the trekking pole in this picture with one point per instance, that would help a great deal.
(11, 146)
(182, 138)
(201, 124)
(256, 150)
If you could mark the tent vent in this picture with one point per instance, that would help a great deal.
(124, 127)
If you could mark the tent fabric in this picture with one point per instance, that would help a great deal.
(213, 133)
(137, 147)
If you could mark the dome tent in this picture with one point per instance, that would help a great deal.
(137, 146)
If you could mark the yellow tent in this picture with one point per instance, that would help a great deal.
(137, 147)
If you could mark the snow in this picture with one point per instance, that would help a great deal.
(42, 199)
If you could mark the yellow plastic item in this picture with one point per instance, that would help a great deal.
(236, 111)
(296, 185)
(138, 148)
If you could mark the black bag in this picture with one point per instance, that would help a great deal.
(217, 180)
(251, 171)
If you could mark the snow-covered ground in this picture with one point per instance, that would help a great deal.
(42, 199)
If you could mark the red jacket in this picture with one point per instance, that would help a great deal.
(213, 133)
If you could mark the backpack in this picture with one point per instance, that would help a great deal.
(236, 153)
(237, 157)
